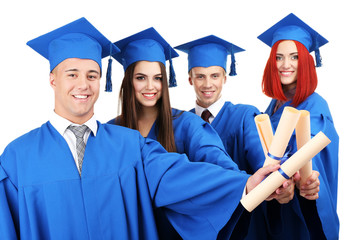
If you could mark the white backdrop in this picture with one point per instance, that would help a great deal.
(26, 98)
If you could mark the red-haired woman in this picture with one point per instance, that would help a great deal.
(290, 80)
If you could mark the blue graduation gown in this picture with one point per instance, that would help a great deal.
(236, 127)
(200, 142)
(123, 177)
(313, 219)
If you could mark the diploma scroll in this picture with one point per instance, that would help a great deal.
(265, 131)
(288, 169)
(303, 135)
(285, 129)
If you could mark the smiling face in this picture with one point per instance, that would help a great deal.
(76, 85)
(287, 63)
(208, 83)
(147, 81)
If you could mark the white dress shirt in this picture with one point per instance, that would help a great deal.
(61, 125)
(214, 109)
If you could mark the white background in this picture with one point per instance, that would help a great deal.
(26, 98)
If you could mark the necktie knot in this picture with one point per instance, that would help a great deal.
(206, 115)
(79, 131)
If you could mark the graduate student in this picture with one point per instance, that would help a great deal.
(145, 102)
(290, 79)
(207, 64)
(74, 178)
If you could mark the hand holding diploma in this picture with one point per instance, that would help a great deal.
(288, 169)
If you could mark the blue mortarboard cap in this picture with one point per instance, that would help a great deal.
(78, 39)
(147, 45)
(293, 28)
(210, 51)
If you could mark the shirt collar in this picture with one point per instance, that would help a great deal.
(61, 124)
(214, 108)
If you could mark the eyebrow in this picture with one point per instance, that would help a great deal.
(294, 53)
(143, 74)
(76, 70)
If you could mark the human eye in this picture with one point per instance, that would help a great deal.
(71, 75)
(159, 78)
(279, 58)
(93, 77)
(294, 57)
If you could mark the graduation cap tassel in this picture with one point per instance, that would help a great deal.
(108, 86)
(172, 79)
(317, 53)
(232, 65)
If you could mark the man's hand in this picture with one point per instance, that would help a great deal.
(259, 175)
(310, 189)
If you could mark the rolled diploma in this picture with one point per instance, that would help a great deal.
(265, 131)
(303, 135)
(293, 164)
(285, 129)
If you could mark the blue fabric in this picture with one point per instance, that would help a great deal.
(147, 45)
(293, 28)
(323, 220)
(210, 51)
(200, 142)
(78, 39)
(236, 127)
(123, 177)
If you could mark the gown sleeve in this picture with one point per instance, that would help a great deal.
(199, 199)
(8, 207)
(201, 143)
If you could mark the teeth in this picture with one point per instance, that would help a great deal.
(207, 93)
(149, 94)
(80, 96)
(286, 73)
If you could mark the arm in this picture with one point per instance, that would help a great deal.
(8, 207)
(201, 143)
(199, 199)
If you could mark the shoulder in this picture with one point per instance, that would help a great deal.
(315, 104)
(243, 109)
(184, 115)
(30, 138)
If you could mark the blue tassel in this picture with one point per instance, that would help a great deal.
(232, 65)
(108, 86)
(318, 58)
(172, 79)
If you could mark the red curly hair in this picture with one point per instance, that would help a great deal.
(306, 76)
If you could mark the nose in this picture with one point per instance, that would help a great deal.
(82, 82)
(149, 84)
(287, 63)
(207, 83)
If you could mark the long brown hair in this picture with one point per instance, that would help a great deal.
(306, 78)
(130, 108)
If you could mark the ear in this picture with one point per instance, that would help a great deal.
(190, 81)
(52, 80)
(225, 79)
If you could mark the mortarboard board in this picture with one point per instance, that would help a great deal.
(147, 45)
(78, 39)
(293, 28)
(210, 51)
